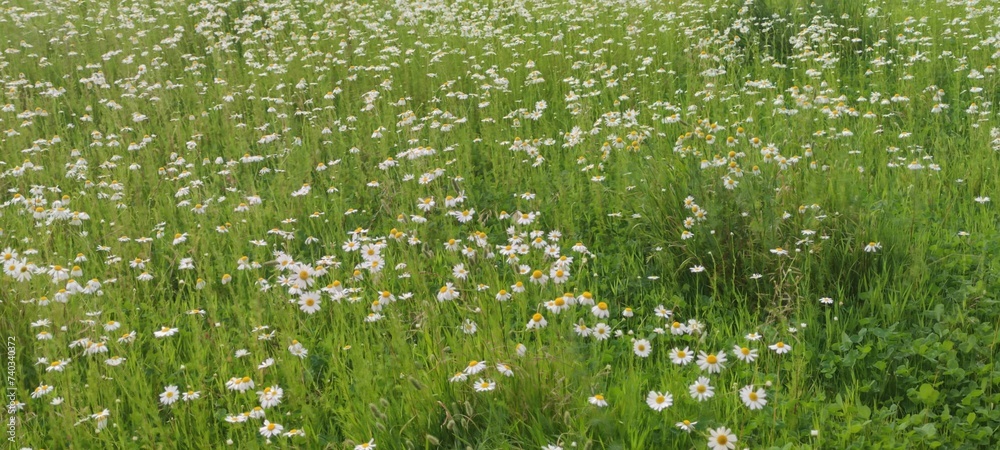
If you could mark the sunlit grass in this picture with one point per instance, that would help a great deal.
(774, 175)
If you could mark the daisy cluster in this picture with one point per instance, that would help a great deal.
(424, 221)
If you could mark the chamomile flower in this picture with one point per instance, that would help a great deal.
(659, 401)
(270, 429)
(780, 348)
(686, 425)
(600, 310)
(753, 398)
(711, 362)
(537, 321)
(165, 332)
(873, 247)
(169, 395)
(475, 367)
(721, 438)
(601, 331)
(485, 385)
(745, 354)
(701, 389)
(598, 400)
(681, 357)
(641, 348)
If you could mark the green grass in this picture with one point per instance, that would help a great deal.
(904, 357)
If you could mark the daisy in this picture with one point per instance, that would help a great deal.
(745, 354)
(601, 331)
(559, 276)
(538, 277)
(165, 332)
(537, 321)
(41, 390)
(701, 390)
(114, 361)
(712, 362)
(642, 348)
(101, 418)
(678, 328)
(598, 401)
(365, 445)
(659, 400)
(57, 365)
(721, 438)
(686, 425)
(191, 395)
(601, 310)
(270, 429)
(469, 327)
(873, 247)
(681, 357)
(297, 349)
(505, 370)
(781, 348)
(754, 399)
(240, 384)
(475, 367)
(309, 302)
(169, 396)
(485, 385)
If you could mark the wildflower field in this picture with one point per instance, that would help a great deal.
(465, 224)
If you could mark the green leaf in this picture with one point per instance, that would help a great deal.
(928, 394)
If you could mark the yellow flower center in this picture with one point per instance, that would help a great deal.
(711, 359)
(537, 317)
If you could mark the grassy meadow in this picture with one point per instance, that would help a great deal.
(465, 224)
